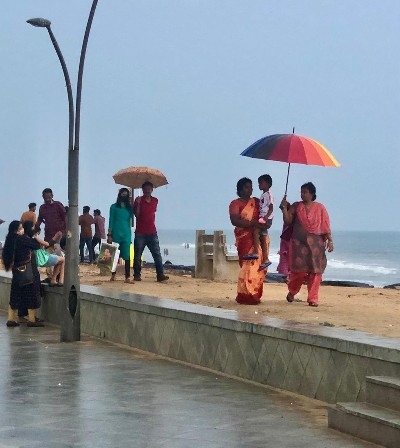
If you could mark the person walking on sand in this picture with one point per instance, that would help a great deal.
(86, 221)
(145, 208)
(243, 213)
(30, 214)
(119, 230)
(99, 229)
(310, 239)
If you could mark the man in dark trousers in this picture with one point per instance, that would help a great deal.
(145, 208)
(86, 221)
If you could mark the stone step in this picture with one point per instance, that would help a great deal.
(383, 391)
(366, 421)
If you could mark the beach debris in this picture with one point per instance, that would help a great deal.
(327, 324)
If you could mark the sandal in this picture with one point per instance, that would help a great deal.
(312, 304)
(12, 323)
(290, 297)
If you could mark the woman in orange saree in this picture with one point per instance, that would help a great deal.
(310, 238)
(243, 213)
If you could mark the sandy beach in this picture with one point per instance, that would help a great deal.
(372, 310)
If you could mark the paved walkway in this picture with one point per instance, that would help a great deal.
(95, 394)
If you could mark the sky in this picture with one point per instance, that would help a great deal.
(185, 86)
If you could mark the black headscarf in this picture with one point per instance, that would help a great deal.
(9, 245)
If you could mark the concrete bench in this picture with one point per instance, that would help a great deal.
(211, 257)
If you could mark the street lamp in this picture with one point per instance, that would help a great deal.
(69, 313)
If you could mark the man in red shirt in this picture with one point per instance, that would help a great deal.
(145, 208)
(53, 214)
(86, 221)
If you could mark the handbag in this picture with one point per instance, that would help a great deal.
(24, 275)
(42, 257)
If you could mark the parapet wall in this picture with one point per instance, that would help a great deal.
(319, 362)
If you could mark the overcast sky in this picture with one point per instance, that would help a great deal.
(186, 85)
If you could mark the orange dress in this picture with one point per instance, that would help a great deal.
(250, 280)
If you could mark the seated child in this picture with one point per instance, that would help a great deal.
(265, 218)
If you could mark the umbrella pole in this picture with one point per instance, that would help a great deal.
(287, 178)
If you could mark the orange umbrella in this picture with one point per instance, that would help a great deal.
(291, 148)
(136, 176)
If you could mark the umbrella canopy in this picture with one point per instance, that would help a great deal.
(291, 148)
(136, 176)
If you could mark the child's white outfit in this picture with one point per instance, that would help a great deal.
(266, 200)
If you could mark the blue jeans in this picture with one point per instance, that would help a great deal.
(151, 241)
(88, 242)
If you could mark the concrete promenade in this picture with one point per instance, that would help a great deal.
(96, 394)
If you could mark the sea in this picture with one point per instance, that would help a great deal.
(369, 257)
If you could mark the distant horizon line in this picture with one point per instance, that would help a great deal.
(275, 230)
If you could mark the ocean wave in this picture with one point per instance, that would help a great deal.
(339, 264)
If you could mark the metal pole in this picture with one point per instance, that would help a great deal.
(69, 317)
(70, 312)
(70, 324)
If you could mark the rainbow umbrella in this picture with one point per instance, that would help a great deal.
(291, 148)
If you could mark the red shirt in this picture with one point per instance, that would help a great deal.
(99, 227)
(54, 216)
(86, 221)
(145, 213)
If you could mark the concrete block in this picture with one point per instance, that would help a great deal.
(383, 391)
(366, 421)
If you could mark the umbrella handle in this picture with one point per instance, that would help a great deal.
(287, 178)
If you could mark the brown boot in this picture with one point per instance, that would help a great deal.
(12, 318)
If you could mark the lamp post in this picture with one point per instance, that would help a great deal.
(70, 310)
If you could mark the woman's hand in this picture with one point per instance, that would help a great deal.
(329, 245)
(284, 204)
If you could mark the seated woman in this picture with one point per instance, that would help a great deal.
(54, 260)
(310, 238)
(244, 216)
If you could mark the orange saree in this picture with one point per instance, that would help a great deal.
(250, 280)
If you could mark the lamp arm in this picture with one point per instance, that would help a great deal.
(69, 89)
(80, 74)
